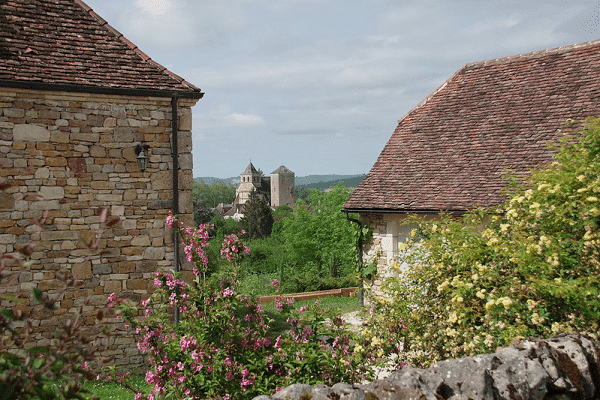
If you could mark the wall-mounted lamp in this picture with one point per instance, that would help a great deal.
(141, 151)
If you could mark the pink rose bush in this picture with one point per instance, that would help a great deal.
(223, 346)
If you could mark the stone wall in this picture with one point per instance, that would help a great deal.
(389, 230)
(563, 367)
(282, 189)
(77, 151)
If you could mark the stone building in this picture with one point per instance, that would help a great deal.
(282, 187)
(251, 179)
(76, 98)
(276, 190)
(451, 152)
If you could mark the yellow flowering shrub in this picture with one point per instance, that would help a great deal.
(529, 267)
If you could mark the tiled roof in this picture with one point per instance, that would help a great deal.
(282, 171)
(64, 42)
(451, 151)
(250, 170)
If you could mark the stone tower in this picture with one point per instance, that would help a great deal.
(250, 180)
(282, 187)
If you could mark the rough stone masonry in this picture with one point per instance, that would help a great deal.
(77, 151)
(562, 367)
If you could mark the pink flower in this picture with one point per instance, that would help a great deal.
(170, 221)
(150, 377)
(302, 309)
(186, 342)
(275, 283)
(112, 300)
(227, 292)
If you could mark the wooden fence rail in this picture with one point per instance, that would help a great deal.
(345, 292)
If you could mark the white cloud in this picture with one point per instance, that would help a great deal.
(154, 7)
(221, 116)
(177, 24)
(245, 119)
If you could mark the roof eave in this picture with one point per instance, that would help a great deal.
(109, 90)
(402, 211)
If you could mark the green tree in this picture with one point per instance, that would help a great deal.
(257, 221)
(206, 197)
(301, 193)
(527, 268)
(319, 240)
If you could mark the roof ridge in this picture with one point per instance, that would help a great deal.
(132, 46)
(496, 61)
(534, 53)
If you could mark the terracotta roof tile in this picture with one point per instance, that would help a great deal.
(66, 42)
(453, 149)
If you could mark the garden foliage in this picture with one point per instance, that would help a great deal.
(319, 242)
(529, 267)
(223, 346)
(311, 247)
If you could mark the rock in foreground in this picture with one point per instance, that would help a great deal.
(562, 367)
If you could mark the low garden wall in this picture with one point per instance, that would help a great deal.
(562, 367)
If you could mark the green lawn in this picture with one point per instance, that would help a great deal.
(112, 391)
(338, 305)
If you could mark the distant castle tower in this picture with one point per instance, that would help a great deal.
(282, 187)
(250, 180)
(276, 190)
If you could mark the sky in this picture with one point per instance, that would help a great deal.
(319, 85)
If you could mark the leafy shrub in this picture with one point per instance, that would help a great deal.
(257, 284)
(529, 267)
(57, 370)
(223, 346)
(319, 243)
(267, 255)
(310, 281)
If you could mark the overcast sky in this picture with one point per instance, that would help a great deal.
(319, 85)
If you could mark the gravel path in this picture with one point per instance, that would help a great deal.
(354, 319)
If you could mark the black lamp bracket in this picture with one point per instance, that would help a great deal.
(139, 147)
